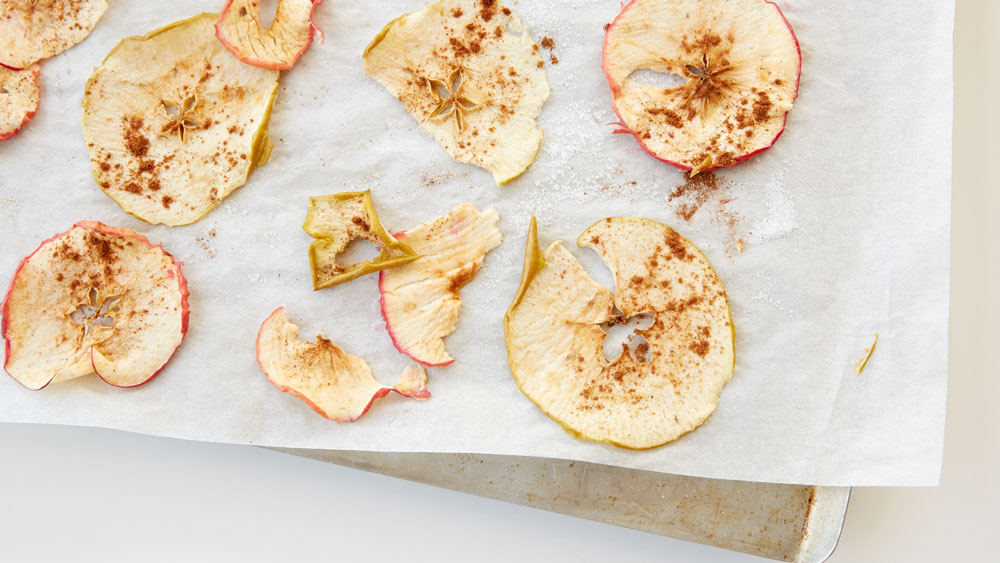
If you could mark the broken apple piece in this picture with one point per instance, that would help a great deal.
(95, 299)
(32, 30)
(740, 61)
(555, 340)
(420, 301)
(174, 123)
(470, 74)
(335, 384)
(336, 220)
(277, 47)
(19, 97)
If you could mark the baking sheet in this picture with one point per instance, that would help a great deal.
(844, 227)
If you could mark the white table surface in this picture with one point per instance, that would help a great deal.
(87, 495)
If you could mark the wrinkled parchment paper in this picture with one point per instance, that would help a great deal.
(843, 226)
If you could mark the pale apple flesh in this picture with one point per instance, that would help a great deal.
(95, 299)
(279, 46)
(555, 340)
(337, 220)
(471, 76)
(421, 300)
(19, 97)
(32, 30)
(335, 384)
(741, 64)
(174, 123)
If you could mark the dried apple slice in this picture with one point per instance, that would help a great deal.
(471, 76)
(336, 220)
(555, 341)
(741, 63)
(420, 301)
(95, 299)
(335, 384)
(31, 30)
(276, 48)
(174, 123)
(19, 97)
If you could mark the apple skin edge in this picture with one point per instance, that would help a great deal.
(113, 231)
(388, 325)
(422, 394)
(270, 65)
(28, 116)
(623, 129)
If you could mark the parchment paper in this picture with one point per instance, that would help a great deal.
(844, 227)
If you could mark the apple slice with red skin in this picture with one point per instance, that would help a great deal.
(335, 384)
(420, 300)
(32, 30)
(95, 299)
(276, 48)
(19, 97)
(741, 62)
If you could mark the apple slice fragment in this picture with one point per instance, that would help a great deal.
(335, 384)
(420, 301)
(174, 123)
(32, 30)
(471, 76)
(555, 341)
(19, 97)
(741, 63)
(275, 48)
(336, 220)
(95, 299)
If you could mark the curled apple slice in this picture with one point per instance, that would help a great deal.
(335, 384)
(471, 76)
(95, 299)
(420, 301)
(740, 63)
(275, 48)
(336, 220)
(31, 30)
(19, 97)
(555, 341)
(174, 123)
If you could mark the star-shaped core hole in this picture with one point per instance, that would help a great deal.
(451, 100)
(625, 334)
(183, 117)
(96, 312)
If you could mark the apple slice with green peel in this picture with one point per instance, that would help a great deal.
(471, 76)
(174, 123)
(336, 220)
(276, 48)
(95, 299)
(335, 384)
(32, 30)
(740, 61)
(19, 97)
(555, 340)
(420, 301)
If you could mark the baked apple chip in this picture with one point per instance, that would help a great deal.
(19, 97)
(420, 301)
(335, 384)
(95, 299)
(32, 30)
(470, 74)
(278, 47)
(174, 123)
(336, 220)
(740, 63)
(555, 339)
